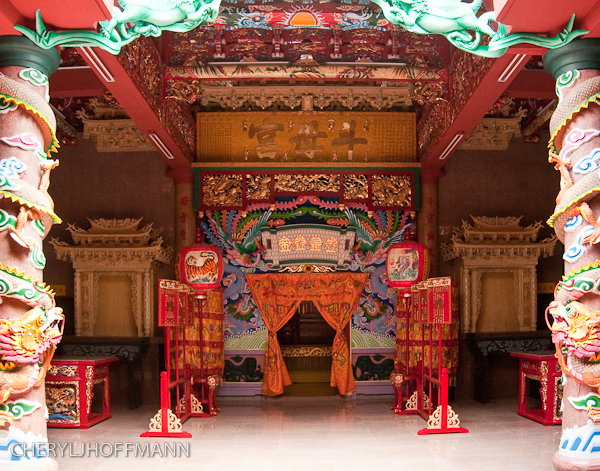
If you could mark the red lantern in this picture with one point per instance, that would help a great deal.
(201, 266)
(407, 264)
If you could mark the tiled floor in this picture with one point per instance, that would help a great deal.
(325, 433)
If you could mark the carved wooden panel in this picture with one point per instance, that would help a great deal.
(235, 189)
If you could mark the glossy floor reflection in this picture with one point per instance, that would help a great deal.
(323, 433)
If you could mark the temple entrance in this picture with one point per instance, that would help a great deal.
(306, 342)
(278, 297)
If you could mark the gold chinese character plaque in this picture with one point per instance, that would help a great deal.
(291, 136)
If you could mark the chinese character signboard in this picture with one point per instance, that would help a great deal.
(432, 301)
(175, 302)
(295, 136)
(307, 243)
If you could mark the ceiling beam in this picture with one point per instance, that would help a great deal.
(59, 15)
(9, 17)
(105, 69)
(495, 82)
(75, 82)
(547, 17)
(118, 82)
(531, 83)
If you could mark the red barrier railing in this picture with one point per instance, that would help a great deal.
(180, 308)
(420, 350)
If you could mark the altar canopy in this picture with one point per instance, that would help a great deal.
(335, 295)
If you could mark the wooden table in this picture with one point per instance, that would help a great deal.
(485, 345)
(540, 366)
(70, 385)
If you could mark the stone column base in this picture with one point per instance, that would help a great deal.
(566, 463)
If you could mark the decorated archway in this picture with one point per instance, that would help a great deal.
(335, 295)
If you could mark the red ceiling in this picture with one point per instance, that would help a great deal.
(547, 16)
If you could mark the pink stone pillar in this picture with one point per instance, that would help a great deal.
(27, 126)
(574, 150)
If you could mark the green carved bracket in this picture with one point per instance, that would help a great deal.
(454, 19)
(148, 19)
(458, 22)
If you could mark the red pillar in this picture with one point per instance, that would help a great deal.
(428, 217)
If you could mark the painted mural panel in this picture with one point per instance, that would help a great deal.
(372, 366)
(243, 368)
(239, 235)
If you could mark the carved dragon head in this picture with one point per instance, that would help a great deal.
(575, 326)
(25, 339)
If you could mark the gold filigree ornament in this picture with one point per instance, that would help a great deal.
(89, 384)
(306, 352)
(196, 405)
(356, 187)
(62, 371)
(222, 190)
(307, 268)
(435, 419)
(411, 404)
(544, 382)
(397, 379)
(286, 183)
(156, 422)
(392, 190)
(558, 396)
(258, 187)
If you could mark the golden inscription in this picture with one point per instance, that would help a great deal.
(323, 136)
(315, 244)
(300, 242)
(285, 244)
(331, 245)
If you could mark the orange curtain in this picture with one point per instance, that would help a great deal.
(276, 309)
(336, 296)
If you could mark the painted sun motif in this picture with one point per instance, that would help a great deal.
(303, 16)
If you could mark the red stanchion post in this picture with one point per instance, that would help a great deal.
(443, 419)
(165, 423)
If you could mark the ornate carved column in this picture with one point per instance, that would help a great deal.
(427, 220)
(185, 223)
(575, 312)
(30, 325)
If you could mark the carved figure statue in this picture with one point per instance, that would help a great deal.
(151, 16)
(22, 344)
(448, 17)
(458, 22)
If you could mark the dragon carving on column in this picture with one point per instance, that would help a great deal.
(574, 315)
(31, 325)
